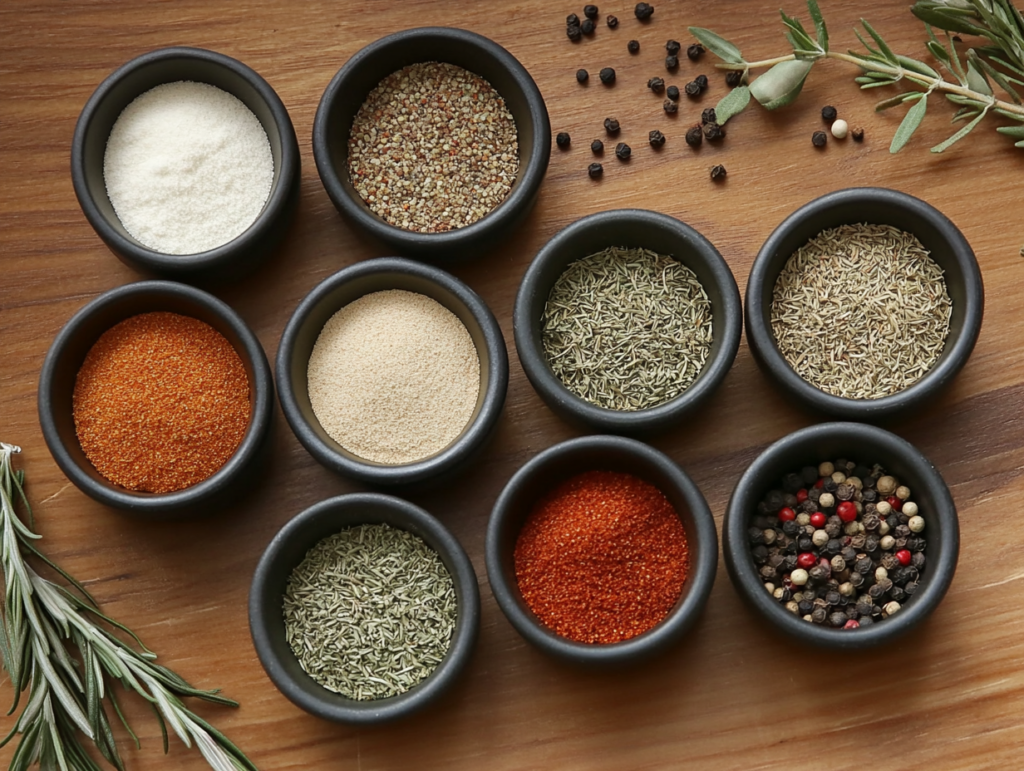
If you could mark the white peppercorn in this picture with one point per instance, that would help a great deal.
(887, 542)
(819, 538)
(769, 536)
(838, 477)
(827, 500)
(847, 589)
(852, 528)
(803, 519)
(793, 607)
(883, 528)
(840, 129)
(891, 608)
(886, 485)
(880, 573)
(826, 469)
(902, 492)
(883, 508)
(916, 524)
(909, 508)
(857, 482)
(798, 577)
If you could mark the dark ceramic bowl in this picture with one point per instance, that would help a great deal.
(353, 83)
(878, 206)
(65, 358)
(363, 278)
(607, 453)
(287, 550)
(167, 65)
(868, 445)
(631, 228)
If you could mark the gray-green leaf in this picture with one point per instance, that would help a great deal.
(909, 125)
(1017, 132)
(732, 103)
(781, 84)
(976, 80)
(819, 23)
(717, 45)
(942, 146)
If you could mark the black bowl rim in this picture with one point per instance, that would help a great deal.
(277, 203)
(941, 565)
(762, 341)
(447, 672)
(467, 443)
(551, 389)
(160, 504)
(506, 213)
(703, 560)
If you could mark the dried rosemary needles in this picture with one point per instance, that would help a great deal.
(627, 329)
(861, 311)
(370, 612)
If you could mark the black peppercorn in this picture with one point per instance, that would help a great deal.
(755, 535)
(774, 500)
(582, 76)
(572, 20)
(643, 11)
(656, 138)
(837, 619)
(607, 76)
(701, 81)
(670, 107)
(790, 528)
(694, 51)
(714, 132)
(622, 151)
(673, 47)
(819, 138)
(673, 93)
(806, 606)
(590, 11)
(597, 147)
(804, 543)
(791, 482)
(595, 170)
(830, 485)
(563, 140)
(657, 85)
(588, 27)
(829, 113)
(612, 21)
(918, 560)
(671, 63)
(633, 46)
(760, 554)
(611, 126)
(692, 89)
(573, 32)
(857, 134)
(718, 172)
(733, 78)
(768, 573)
(706, 117)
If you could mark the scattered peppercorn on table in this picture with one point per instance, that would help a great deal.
(733, 694)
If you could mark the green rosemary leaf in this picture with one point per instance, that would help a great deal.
(943, 146)
(883, 47)
(871, 49)
(1012, 131)
(938, 51)
(909, 125)
(59, 570)
(946, 17)
(732, 104)
(1001, 61)
(124, 720)
(964, 113)
(781, 84)
(717, 45)
(1008, 114)
(802, 42)
(997, 76)
(915, 66)
(976, 80)
(819, 24)
(876, 84)
(228, 745)
(892, 101)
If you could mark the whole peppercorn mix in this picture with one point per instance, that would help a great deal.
(161, 402)
(832, 548)
(602, 558)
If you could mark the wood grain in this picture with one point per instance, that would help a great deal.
(732, 695)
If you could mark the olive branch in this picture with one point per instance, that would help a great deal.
(999, 61)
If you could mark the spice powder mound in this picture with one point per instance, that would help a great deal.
(603, 558)
(433, 148)
(161, 402)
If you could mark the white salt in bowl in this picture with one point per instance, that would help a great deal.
(241, 254)
(363, 278)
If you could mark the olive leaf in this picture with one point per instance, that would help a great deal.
(717, 45)
(909, 125)
(781, 84)
(731, 104)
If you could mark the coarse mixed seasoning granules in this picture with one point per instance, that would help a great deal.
(161, 402)
(394, 377)
(602, 558)
(433, 148)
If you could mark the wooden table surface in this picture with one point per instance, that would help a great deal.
(732, 695)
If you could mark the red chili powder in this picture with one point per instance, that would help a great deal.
(161, 402)
(602, 558)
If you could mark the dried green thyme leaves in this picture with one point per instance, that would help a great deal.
(861, 311)
(627, 329)
(433, 148)
(370, 611)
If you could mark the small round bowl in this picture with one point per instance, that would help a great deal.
(167, 65)
(637, 229)
(287, 550)
(879, 206)
(545, 472)
(65, 358)
(347, 285)
(866, 444)
(353, 83)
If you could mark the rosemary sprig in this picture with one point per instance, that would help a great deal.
(58, 645)
(971, 76)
